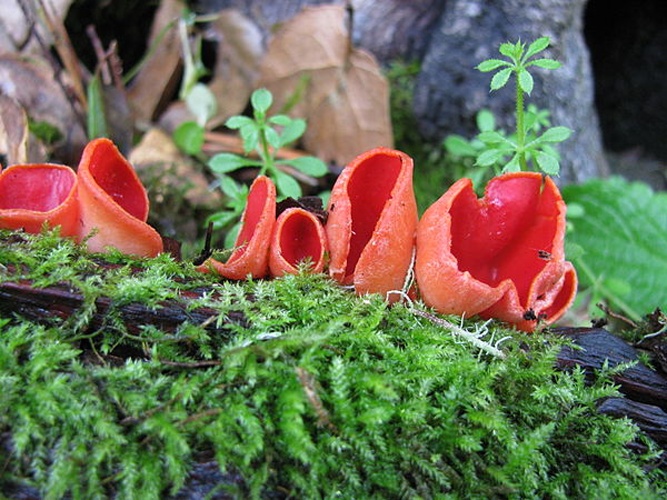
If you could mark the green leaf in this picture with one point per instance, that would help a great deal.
(624, 236)
(292, 131)
(309, 165)
(501, 78)
(459, 146)
(545, 63)
(547, 163)
(537, 46)
(282, 120)
(232, 188)
(96, 119)
(201, 102)
(491, 65)
(287, 185)
(492, 137)
(223, 163)
(525, 80)
(489, 157)
(238, 121)
(485, 120)
(555, 134)
(272, 137)
(513, 165)
(250, 136)
(511, 50)
(261, 100)
(189, 137)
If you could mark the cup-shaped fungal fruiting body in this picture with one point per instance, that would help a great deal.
(372, 222)
(298, 238)
(250, 257)
(501, 256)
(113, 203)
(32, 195)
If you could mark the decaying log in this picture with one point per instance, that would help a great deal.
(47, 304)
(645, 389)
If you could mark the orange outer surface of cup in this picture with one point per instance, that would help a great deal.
(38, 193)
(372, 222)
(501, 256)
(251, 250)
(298, 235)
(113, 203)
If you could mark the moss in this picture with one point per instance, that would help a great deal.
(318, 393)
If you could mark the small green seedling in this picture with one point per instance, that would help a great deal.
(526, 145)
(264, 135)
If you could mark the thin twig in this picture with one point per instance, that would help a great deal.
(473, 338)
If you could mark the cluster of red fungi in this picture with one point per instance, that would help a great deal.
(500, 256)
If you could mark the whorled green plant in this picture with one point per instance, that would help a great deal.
(525, 148)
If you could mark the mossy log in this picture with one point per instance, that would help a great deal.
(644, 388)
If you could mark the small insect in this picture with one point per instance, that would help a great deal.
(530, 315)
(544, 255)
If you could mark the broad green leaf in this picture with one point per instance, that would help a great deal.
(511, 50)
(491, 65)
(232, 188)
(236, 122)
(282, 120)
(525, 80)
(537, 46)
(309, 165)
(261, 100)
(485, 120)
(189, 137)
(555, 134)
(492, 137)
(624, 235)
(459, 146)
(501, 78)
(223, 163)
(489, 157)
(292, 131)
(547, 163)
(545, 63)
(286, 185)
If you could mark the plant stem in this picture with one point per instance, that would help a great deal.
(520, 129)
(265, 151)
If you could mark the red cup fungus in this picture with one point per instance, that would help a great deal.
(298, 237)
(113, 203)
(501, 256)
(250, 257)
(372, 222)
(32, 195)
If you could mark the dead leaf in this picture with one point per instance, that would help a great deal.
(31, 82)
(16, 30)
(158, 78)
(341, 90)
(13, 132)
(157, 151)
(239, 50)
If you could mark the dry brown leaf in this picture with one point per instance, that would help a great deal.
(236, 71)
(16, 33)
(157, 151)
(159, 76)
(13, 132)
(32, 84)
(343, 94)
